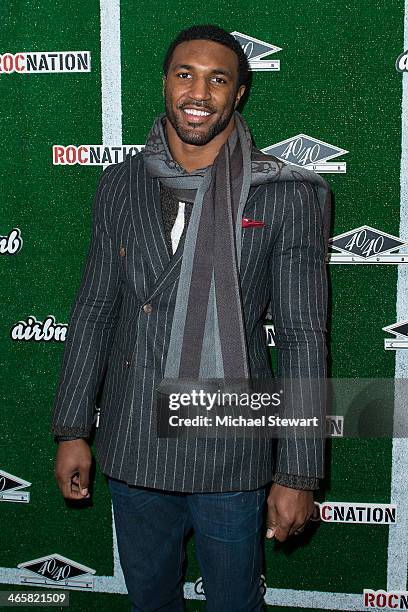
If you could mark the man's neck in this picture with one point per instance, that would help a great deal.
(192, 157)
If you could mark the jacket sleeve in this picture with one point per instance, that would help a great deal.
(299, 311)
(91, 326)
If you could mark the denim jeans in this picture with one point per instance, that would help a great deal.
(151, 527)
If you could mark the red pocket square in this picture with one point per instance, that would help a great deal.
(251, 222)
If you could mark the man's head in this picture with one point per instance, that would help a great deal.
(205, 73)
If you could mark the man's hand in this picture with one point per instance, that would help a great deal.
(288, 511)
(72, 465)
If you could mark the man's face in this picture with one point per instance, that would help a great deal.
(201, 90)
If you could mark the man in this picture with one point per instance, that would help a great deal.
(176, 286)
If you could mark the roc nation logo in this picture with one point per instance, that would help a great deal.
(367, 245)
(389, 600)
(10, 488)
(91, 155)
(345, 512)
(255, 50)
(11, 243)
(40, 62)
(400, 331)
(402, 62)
(57, 571)
(310, 153)
(39, 331)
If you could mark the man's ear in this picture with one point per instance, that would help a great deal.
(240, 93)
(164, 85)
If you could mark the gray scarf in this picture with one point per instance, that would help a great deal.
(208, 338)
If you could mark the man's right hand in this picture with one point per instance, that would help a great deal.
(72, 465)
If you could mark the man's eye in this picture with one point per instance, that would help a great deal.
(183, 75)
(219, 80)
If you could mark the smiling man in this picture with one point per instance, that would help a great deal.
(201, 97)
(194, 240)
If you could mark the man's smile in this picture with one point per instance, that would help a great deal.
(195, 115)
(199, 113)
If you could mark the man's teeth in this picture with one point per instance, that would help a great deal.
(194, 111)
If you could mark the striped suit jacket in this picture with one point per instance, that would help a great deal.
(120, 325)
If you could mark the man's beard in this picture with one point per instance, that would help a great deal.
(198, 138)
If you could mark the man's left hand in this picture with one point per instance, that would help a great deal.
(288, 511)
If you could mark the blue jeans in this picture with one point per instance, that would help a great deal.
(152, 526)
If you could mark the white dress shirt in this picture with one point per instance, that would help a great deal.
(178, 227)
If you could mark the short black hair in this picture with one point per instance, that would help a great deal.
(215, 34)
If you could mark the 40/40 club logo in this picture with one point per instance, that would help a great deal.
(400, 331)
(255, 50)
(58, 571)
(308, 152)
(367, 245)
(10, 488)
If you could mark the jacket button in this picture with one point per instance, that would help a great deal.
(122, 251)
(127, 363)
(148, 308)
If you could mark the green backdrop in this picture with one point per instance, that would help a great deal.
(337, 82)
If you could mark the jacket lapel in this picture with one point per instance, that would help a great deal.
(148, 227)
(172, 271)
(146, 215)
(144, 192)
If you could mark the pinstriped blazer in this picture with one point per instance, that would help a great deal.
(120, 325)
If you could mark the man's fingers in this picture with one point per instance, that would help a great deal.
(271, 527)
(270, 532)
(288, 511)
(69, 487)
(75, 483)
(271, 521)
(84, 481)
(282, 533)
(297, 529)
(276, 526)
(65, 486)
(72, 466)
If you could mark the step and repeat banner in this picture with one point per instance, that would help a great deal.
(80, 85)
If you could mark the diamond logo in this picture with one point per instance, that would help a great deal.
(400, 341)
(10, 488)
(308, 152)
(255, 50)
(398, 329)
(366, 242)
(57, 570)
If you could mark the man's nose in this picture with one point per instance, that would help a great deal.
(199, 89)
